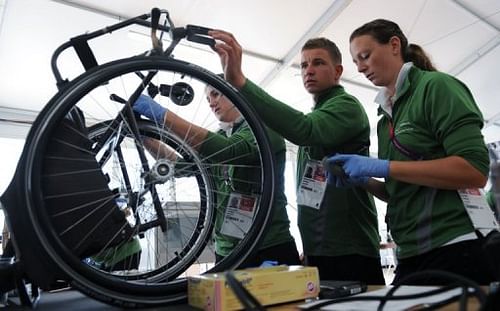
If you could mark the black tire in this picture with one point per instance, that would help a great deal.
(40, 183)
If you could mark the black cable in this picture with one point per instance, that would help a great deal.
(249, 302)
(463, 298)
(379, 298)
(465, 283)
(469, 288)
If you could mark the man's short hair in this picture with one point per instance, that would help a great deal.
(324, 43)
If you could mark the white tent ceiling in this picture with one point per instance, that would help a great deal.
(462, 36)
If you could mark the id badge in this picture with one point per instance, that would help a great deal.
(313, 185)
(239, 214)
(479, 211)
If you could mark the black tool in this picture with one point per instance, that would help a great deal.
(330, 289)
(335, 168)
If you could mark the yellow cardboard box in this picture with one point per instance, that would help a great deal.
(270, 285)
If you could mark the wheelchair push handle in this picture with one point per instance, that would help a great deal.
(197, 34)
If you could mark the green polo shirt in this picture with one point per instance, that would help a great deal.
(113, 255)
(346, 222)
(435, 116)
(237, 155)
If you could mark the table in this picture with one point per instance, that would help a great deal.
(76, 301)
(473, 303)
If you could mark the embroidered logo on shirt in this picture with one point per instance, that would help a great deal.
(403, 127)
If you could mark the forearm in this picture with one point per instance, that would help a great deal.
(158, 149)
(325, 126)
(191, 133)
(292, 124)
(377, 188)
(452, 172)
(239, 148)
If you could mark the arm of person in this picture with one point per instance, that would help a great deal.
(340, 119)
(192, 133)
(460, 158)
(377, 188)
(148, 107)
(451, 172)
(239, 148)
(336, 122)
(159, 150)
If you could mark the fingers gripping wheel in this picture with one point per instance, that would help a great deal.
(164, 213)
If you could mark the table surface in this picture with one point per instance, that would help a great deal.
(472, 304)
(73, 300)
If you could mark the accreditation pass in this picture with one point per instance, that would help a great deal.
(239, 214)
(313, 185)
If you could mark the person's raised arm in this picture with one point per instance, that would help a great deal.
(230, 53)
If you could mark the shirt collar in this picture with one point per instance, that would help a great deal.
(383, 98)
(227, 127)
(333, 91)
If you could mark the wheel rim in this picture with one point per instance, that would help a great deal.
(44, 127)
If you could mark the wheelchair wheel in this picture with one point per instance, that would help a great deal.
(94, 187)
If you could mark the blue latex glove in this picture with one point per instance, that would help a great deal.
(268, 263)
(147, 107)
(336, 176)
(357, 166)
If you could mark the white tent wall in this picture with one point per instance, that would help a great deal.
(462, 37)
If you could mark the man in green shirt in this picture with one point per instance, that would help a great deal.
(340, 232)
(235, 148)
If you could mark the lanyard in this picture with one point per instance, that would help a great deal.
(404, 150)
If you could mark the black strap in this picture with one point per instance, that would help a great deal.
(84, 52)
(249, 302)
(402, 148)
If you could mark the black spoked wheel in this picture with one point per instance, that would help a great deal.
(124, 222)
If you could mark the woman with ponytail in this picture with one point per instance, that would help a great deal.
(430, 146)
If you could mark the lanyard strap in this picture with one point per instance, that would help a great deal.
(400, 147)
